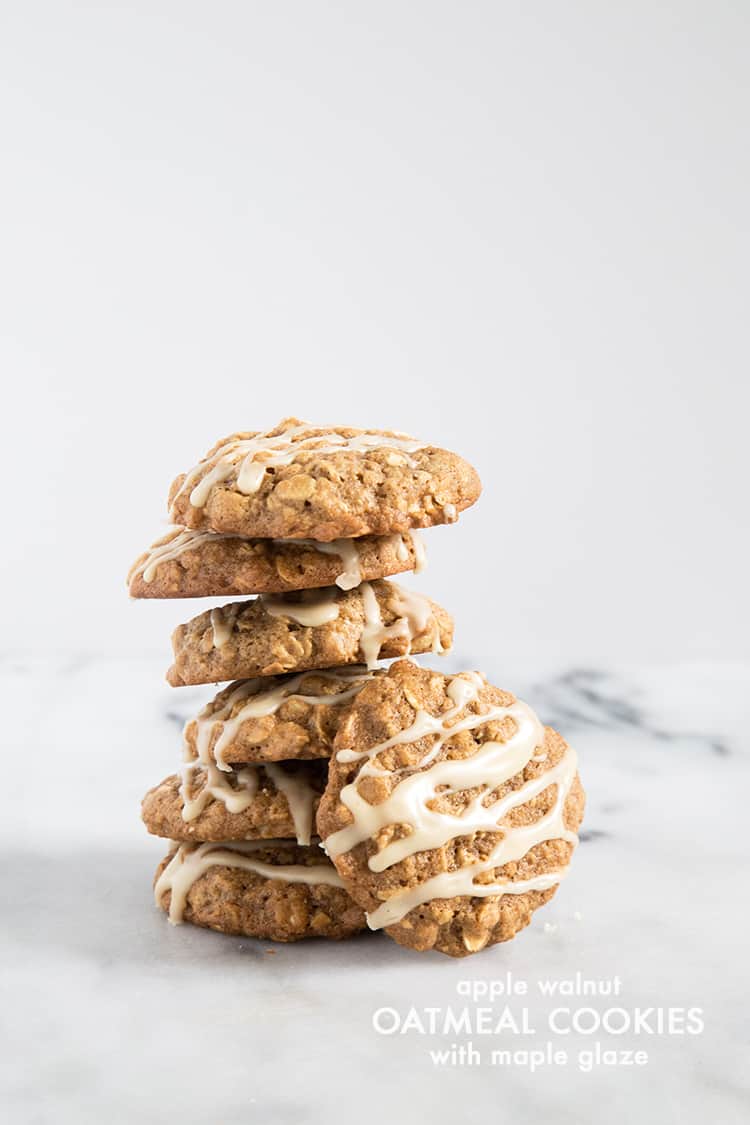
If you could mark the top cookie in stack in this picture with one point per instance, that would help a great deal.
(299, 480)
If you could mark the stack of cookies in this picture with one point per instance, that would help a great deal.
(321, 792)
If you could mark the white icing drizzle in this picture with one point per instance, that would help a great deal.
(414, 612)
(420, 553)
(417, 611)
(248, 458)
(217, 787)
(348, 551)
(374, 631)
(189, 863)
(462, 690)
(297, 789)
(413, 539)
(176, 542)
(259, 703)
(300, 797)
(452, 884)
(314, 608)
(488, 769)
(219, 473)
(223, 620)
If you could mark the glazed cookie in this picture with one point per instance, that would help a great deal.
(274, 890)
(274, 718)
(303, 481)
(253, 802)
(450, 812)
(202, 564)
(280, 633)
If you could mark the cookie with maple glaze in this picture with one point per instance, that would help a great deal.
(274, 634)
(301, 481)
(251, 802)
(274, 718)
(450, 812)
(204, 564)
(274, 890)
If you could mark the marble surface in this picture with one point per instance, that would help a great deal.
(111, 1014)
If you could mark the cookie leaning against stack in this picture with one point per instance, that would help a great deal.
(448, 813)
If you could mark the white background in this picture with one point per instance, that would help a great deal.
(517, 229)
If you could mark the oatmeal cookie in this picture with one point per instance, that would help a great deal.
(274, 718)
(450, 811)
(202, 564)
(272, 890)
(253, 802)
(302, 481)
(273, 634)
